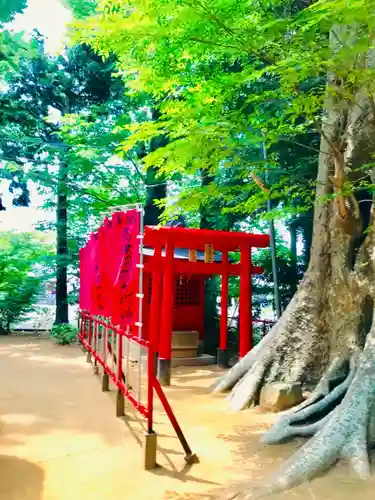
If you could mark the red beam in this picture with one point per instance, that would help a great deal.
(197, 238)
(201, 268)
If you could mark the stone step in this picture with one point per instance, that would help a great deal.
(204, 360)
(185, 340)
(184, 352)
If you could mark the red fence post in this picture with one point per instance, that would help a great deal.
(96, 342)
(89, 339)
(150, 387)
(150, 446)
(120, 401)
(105, 377)
(190, 457)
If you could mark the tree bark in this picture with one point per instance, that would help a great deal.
(322, 340)
(62, 305)
(155, 183)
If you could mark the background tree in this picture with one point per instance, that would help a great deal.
(25, 263)
(57, 87)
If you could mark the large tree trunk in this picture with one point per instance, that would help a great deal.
(62, 306)
(325, 340)
(155, 183)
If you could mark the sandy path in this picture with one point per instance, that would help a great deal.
(60, 440)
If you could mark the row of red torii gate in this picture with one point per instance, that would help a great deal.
(149, 281)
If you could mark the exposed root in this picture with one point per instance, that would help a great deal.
(235, 374)
(345, 434)
(355, 451)
(247, 389)
(323, 387)
(277, 356)
(314, 413)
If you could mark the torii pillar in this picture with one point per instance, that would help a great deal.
(246, 330)
(222, 354)
(166, 326)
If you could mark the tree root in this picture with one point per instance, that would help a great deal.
(273, 359)
(344, 435)
(314, 413)
(236, 373)
(247, 389)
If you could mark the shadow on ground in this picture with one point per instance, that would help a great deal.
(20, 479)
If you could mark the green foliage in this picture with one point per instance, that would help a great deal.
(25, 262)
(69, 110)
(64, 334)
(12, 45)
(229, 75)
(9, 8)
(81, 8)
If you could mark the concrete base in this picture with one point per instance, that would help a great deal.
(105, 382)
(200, 350)
(192, 459)
(120, 404)
(149, 451)
(205, 360)
(96, 368)
(88, 357)
(164, 371)
(223, 358)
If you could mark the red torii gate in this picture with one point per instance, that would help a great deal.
(163, 266)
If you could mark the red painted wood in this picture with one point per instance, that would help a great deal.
(198, 238)
(156, 297)
(188, 312)
(165, 341)
(224, 307)
(90, 322)
(245, 302)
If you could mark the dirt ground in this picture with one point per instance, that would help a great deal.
(60, 439)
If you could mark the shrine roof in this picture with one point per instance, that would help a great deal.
(182, 237)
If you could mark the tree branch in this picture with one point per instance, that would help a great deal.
(259, 183)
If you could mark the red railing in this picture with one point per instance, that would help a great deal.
(105, 343)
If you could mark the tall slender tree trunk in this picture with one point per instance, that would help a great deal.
(156, 190)
(207, 218)
(156, 184)
(211, 285)
(62, 306)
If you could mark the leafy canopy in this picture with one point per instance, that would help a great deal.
(230, 74)
(9, 8)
